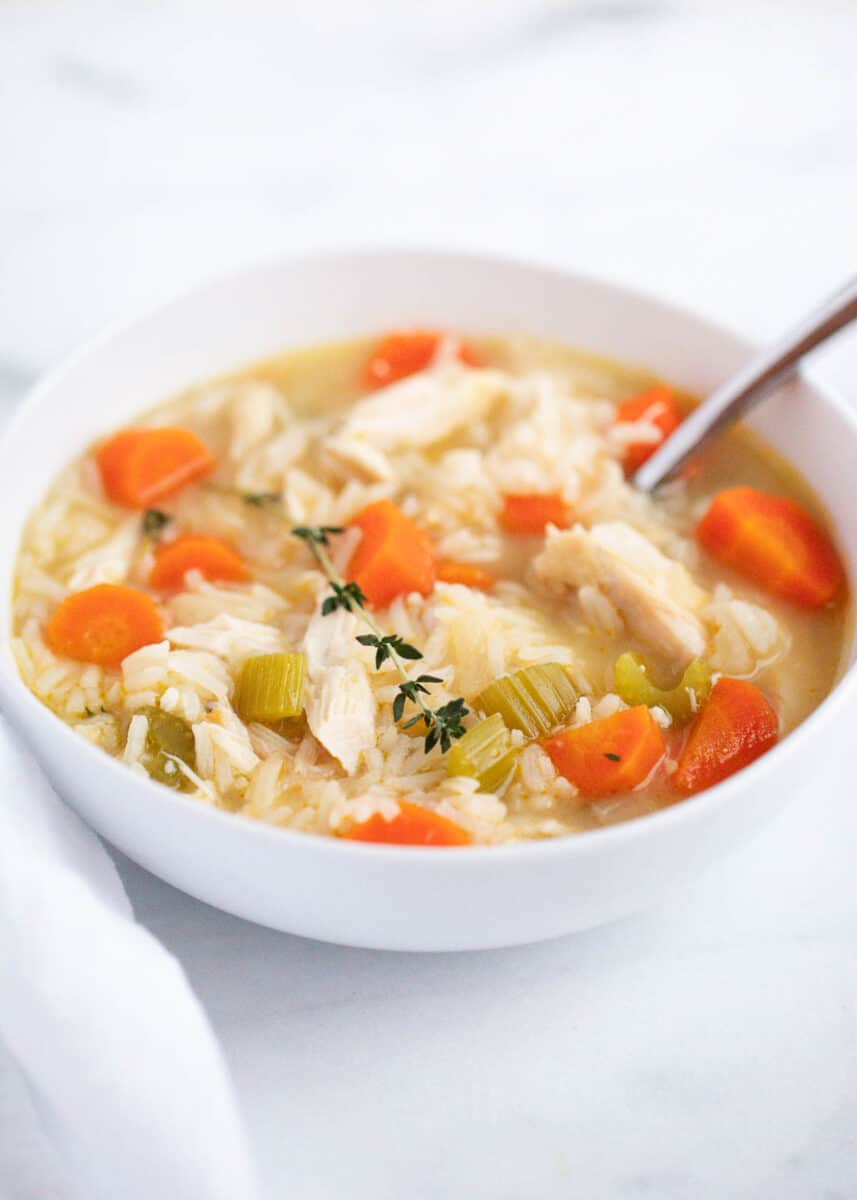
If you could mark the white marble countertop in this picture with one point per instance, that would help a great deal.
(704, 151)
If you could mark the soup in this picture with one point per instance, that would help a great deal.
(402, 590)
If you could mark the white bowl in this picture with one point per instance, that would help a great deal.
(378, 896)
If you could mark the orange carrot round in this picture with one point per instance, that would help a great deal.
(735, 726)
(656, 406)
(103, 624)
(469, 574)
(212, 557)
(615, 754)
(413, 825)
(394, 556)
(775, 542)
(141, 466)
(401, 354)
(528, 513)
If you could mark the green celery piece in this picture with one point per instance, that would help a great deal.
(634, 684)
(168, 737)
(270, 687)
(485, 753)
(534, 699)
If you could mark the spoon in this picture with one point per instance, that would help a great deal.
(753, 382)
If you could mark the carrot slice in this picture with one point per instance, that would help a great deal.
(394, 556)
(615, 754)
(140, 466)
(413, 825)
(775, 542)
(527, 513)
(469, 574)
(103, 624)
(401, 354)
(736, 726)
(657, 406)
(213, 558)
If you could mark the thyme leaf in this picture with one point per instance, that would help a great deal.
(154, 522)
(316, 535)
(388, 645)
(345, 595)
(261, 499)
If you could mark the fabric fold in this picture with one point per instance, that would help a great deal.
(120, 1056)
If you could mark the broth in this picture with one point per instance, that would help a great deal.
(273, 429)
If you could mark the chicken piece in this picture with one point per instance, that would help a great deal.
(111, 560)
(341, 706)
(230, 638)
(253, 417)
(360, 457)
(264, 468)
(655, 595)
(424, 408)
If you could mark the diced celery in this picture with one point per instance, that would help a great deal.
(168, 737)
(270, 687)
(485, 753)
(534, 699)
(634, 684)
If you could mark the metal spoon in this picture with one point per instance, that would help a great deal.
(754, 381)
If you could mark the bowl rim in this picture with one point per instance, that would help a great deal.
(15, 695)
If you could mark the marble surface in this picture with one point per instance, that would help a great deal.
(704, 151)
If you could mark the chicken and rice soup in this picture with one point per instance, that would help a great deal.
(402, 590)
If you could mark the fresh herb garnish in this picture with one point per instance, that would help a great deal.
(443, 725)
(448, 724)
(345, 595)
(266, 500)
(154, 522)
(385, 646)
(261, 499)
(318, 535)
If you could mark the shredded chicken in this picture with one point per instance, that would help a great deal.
(111, 560)
(341, 706)
(360, 457)
(254, 418)
(230, 638)
(655, 595)
(424, 408)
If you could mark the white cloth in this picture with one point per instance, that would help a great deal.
(120, 1056)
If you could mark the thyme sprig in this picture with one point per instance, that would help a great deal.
(318, 535)
(443, 725)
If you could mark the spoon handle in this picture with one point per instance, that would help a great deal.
(754, 381)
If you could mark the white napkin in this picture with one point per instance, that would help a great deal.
(121, 1058)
